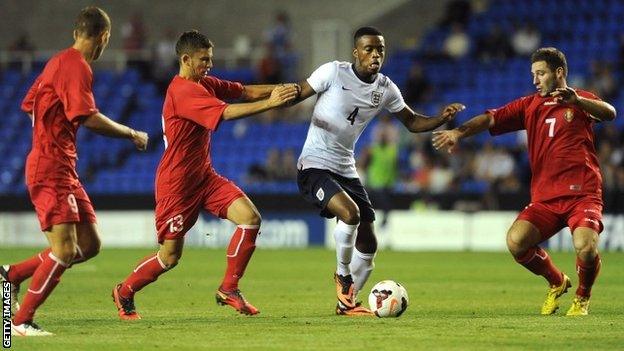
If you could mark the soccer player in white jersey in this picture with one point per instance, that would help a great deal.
(350, 95)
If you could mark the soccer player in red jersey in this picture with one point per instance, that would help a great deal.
(566, 181)
(186, 182)
(59, 101)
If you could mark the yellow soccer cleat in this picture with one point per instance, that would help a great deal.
(551, 304)
(580, 306)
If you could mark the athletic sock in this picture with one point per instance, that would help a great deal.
(239, 251)
(44, 280)
(361, 267)
(344, 234)
(587, 273)
(538, 261)
(146, 272)
(21, 271)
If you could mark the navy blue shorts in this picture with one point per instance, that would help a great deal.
(318, 186)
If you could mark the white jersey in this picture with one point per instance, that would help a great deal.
(344, 108)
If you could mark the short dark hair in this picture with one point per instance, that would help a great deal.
(553, 58)
(362, 31)
(92, 21)
(191, 41)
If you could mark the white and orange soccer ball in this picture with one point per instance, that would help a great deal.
(388, 299)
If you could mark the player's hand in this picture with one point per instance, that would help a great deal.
(139, 139)
(445, 139)
(283, 94)
(565, 95)
(449, 111)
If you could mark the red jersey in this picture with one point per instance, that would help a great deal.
(561, 148)
(191, 113)
(60, 95)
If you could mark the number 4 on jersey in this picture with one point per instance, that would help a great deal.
(352, 115)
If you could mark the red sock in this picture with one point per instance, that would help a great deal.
(538, 261)
(44, 280)
(242, 246)
(146, 272)
(25, 269)
(587, 273)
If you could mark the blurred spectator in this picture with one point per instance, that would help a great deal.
(602, 81)
(279, 34)
(134, 37)
(288, 171)
(526, 39)
(278, 166)
(457, 12)
(22, 44)
(22, 52)
(268, 170)
(494, 45)
(417, 88)
(165, 61)
(457, 43)
(270, 67)
(493, 163)
(380, 162)
(242, 50)
(133, 33)
(279, 39)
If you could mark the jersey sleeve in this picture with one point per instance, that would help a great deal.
(508, 118)
(200, 107)
(73, 86)
(224, 89)
(29, 99)
(588, 95)
(322, 77)
(395, 99)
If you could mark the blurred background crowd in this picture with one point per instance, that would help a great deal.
(475, 52)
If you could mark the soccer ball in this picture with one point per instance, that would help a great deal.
(388, 299)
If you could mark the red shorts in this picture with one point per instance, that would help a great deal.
(176, 214)
(553, 215)
(61, 204)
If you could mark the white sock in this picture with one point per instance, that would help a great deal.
(362, 265)
(345, 240)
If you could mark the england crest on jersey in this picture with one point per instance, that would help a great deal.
(376, 98)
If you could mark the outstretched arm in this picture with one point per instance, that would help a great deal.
(261, 91)
(599, 110)
(416, 123)
(447, 139)
(103, 125)
(305, 91)
(281, 95)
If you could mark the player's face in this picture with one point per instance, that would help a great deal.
(545, 80)
(103, 42)
(201, 62)
(369, 54)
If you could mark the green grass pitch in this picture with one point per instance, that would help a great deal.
(471, 301)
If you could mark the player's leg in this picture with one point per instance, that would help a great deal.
(62, 239)
(534, 225)
(366, 243)
(146, 272)
(174, 217)
(586, 224)
(362, 263)
(345, 232)
(245, 215)
(16, 273)
(73, 206)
